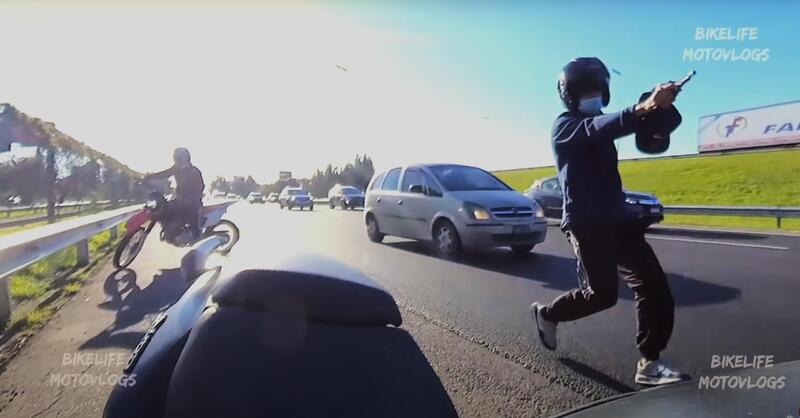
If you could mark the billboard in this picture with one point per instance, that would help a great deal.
(764, 126)
(284, 175)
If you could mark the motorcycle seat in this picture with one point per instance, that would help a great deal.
(312, 289)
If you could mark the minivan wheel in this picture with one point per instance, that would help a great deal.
(330, 204)
(521, 249)
(446, 239)
(373, 231)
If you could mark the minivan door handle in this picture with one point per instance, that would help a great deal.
(399, 202)
(378, 200)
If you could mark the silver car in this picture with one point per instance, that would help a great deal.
(454, 206)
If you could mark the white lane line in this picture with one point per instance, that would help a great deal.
(731, 244)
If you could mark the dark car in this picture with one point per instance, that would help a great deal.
(764, 392)
(547, 193)
(295, 197)
(345, 197)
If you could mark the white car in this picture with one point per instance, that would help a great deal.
(455, 206)
(256, 197)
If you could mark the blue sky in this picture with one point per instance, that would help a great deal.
(253, 88)
(505, 56)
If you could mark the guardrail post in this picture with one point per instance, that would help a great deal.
(5, 301)
(113, 232)
(83, 252)
(778, 218)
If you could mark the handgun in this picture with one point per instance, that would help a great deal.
(686, 79)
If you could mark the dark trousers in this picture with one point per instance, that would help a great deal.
(603, 251)
(185, 212)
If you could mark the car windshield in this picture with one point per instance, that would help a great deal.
(350, 190)
(457, 178)
(297, 192)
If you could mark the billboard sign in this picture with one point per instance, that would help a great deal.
(284, 176)
(758, 127)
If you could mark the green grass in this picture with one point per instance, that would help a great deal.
(39, 316)
(26, 286)
(768, 178)
(73, 287)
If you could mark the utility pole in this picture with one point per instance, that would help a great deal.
(50, 183)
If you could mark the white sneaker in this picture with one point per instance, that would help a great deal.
(655, 373)
(547, 329)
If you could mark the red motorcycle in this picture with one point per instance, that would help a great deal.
(157, 211)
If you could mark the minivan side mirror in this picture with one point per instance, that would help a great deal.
(417, 188)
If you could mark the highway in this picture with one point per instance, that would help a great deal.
(735, 294)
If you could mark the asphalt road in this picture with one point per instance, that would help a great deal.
(735, 293)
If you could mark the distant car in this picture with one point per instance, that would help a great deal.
(218, 195)
(454, 206)
(233, 196)
(255, 197)
(295, 197)
(547, 193)
(346, 197)
(14, 200)
(272, 197)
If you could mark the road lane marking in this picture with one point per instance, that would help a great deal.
(730, 244)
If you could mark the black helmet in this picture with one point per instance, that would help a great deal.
(181, 156)
(581, 76)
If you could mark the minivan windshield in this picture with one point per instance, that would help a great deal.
(456, 178)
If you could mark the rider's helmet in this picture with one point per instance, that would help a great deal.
(182, 157)
(580, 76)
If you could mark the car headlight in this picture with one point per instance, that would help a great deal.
(631, 201)
(537, 209)
(476, 212)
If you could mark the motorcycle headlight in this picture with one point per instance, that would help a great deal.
(476, 212)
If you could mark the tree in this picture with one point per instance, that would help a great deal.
(221, 184)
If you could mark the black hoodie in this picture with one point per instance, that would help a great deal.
(586, 159)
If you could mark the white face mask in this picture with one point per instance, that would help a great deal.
(591, 106)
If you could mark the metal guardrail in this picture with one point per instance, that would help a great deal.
(10, 209)
(778, 212)
(19, 250)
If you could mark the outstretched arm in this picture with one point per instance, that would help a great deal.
(162, 174)
(569, 132)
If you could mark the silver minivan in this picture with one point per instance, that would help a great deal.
(454, 206)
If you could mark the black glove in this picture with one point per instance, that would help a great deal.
(652, 136)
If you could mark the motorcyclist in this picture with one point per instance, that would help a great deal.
(185, 207)
(606, 238)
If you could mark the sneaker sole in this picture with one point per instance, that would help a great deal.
(659, 381)
(535, 314)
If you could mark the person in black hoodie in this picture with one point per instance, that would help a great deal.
(606, 238)
(185, 206)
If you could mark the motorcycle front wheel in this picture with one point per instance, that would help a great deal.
(129, 248)
(228, 229)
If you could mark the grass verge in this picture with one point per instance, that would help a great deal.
(43, 285)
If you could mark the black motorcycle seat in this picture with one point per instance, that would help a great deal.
(244, 363)
(340, 297)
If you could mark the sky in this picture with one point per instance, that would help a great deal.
(254, 88)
